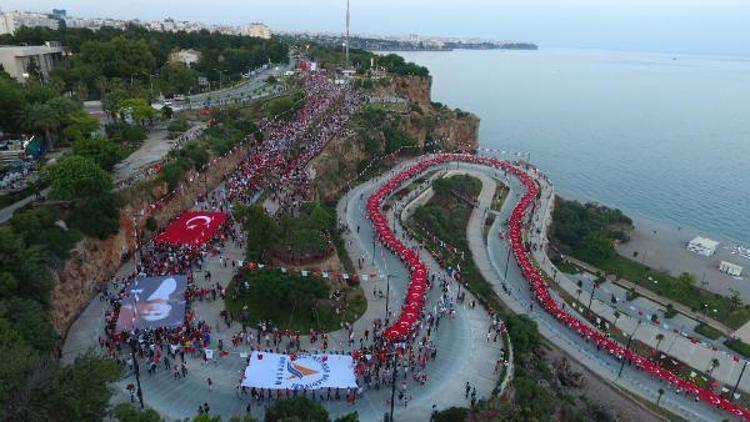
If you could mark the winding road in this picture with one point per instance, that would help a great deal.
(463, 352)
(490, 254)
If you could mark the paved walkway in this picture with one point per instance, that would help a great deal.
(463, 352)
(661, 300)
(698, 355)
(490, 253)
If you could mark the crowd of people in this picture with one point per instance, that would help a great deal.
(276, 166)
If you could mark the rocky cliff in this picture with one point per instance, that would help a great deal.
(405, 107)
(94, 261)
(412, 88)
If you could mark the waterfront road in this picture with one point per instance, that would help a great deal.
(490, 253)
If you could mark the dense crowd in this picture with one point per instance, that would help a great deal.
(277, 165)
(278, 161)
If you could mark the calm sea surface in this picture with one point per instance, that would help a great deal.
(661, 136)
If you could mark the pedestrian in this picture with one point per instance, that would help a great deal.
(468, 390)
(210, 384)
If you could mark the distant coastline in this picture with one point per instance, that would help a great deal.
(483, 46)
(413, 43)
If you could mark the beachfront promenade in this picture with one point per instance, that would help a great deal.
(490, 256)
(696, 354)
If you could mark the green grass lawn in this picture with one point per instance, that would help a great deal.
(587, 232)
(291, 301)
(708, 331)
(739, 346)
(446, 217)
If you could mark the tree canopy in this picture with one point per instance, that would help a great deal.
(76, 177)
(261, 230)
(396, 64)
(296, 409)
(588, 230)
(100, 150)
(138, 56)
(81, 181)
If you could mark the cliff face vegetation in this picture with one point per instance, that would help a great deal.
(400, 120)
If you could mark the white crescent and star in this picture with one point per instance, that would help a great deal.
(206, 221)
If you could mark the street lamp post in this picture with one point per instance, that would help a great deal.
(393, 386)
(137, 371)
(627, 348)
(387, 295)
(591, 299)
(507, 264)
(138, 252)
(734, 390)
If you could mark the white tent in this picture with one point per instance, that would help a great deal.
(703, 246)
(731, 269)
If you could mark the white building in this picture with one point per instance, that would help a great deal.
(729, 268)
(16, 59)
(256, 30)
(703, 246)
(188, 57)
(11, 21)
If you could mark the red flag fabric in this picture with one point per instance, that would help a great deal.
(193, 228)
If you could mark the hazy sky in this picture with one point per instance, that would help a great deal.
(679, 26)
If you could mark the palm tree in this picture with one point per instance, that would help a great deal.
(617, 316)
(102, 84)
(41, 120)
(735, 300)
(714, 365)
(661, 393)
(659, 339)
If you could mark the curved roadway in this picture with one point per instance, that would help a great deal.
(490, 254)
(463, 352)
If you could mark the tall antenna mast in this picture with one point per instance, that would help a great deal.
(347, 34)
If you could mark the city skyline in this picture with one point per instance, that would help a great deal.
(667, 26)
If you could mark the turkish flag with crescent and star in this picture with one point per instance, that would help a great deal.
(193, 228)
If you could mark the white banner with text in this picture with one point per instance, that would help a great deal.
(311, 372)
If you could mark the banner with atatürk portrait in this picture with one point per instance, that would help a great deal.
(153, 302)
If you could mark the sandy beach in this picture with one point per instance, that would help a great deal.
(663, 246)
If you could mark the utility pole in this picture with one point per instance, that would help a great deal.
(347, 34)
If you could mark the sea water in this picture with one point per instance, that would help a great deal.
(664, 136)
